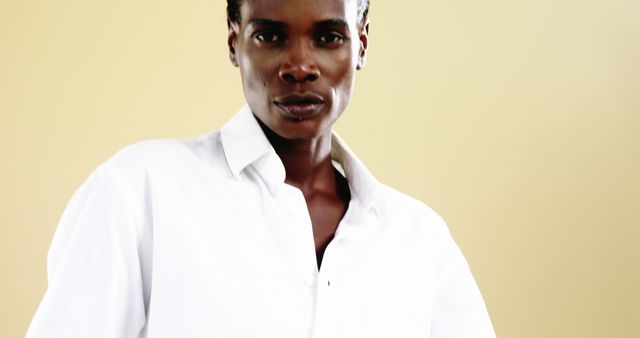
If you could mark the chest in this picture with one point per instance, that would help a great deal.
(243, 264)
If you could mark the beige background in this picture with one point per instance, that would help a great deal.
(518, 121)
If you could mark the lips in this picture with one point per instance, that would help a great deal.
(301, 106)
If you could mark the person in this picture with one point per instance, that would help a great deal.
(270, 227)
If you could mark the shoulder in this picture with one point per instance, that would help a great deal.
(413, 232)
(142, 165)
(410, 215)
(166, 152)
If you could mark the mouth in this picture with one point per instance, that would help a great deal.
(300, 107)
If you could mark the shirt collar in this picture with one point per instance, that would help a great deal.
(245, 143)
(362, 183)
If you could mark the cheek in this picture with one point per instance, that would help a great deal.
(340, 73)
(255, 71)
(339, 70)
(250, 75)
(339, 66)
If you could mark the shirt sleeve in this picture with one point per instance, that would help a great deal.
(95, 266)
(459, 310)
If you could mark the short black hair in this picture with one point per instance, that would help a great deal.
(233, 10)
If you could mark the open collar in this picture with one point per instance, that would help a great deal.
(245, 144)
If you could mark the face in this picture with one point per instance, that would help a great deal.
(297, 59)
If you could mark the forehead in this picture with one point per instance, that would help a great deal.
(300, 11)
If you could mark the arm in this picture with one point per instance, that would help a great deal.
(459, 310)
(97, 265)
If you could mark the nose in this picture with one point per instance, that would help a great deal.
(299, 65)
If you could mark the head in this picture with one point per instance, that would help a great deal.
(297, 60)
(233, 10)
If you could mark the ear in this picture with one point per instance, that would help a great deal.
(232, 41)
(363, 35)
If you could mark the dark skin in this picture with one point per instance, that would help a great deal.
(325, 190)
(298, 60)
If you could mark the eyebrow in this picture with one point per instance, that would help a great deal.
(333, 22)
(278, 24)
(266, 22)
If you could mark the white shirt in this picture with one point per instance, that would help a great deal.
(202, 238)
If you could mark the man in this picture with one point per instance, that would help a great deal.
(270, 227)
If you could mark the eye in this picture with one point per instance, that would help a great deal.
(330, 38)
(268, 37)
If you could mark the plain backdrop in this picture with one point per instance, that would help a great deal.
(518, 121)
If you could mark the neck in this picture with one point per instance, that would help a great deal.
(307, 162)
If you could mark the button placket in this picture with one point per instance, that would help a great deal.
(298, 222)
(311, 280)
(338, 303)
